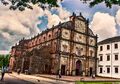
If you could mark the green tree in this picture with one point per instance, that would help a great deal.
(1, 60)
(4, 60)
(22, 4)
(108, 3)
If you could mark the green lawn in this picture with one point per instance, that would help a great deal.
(93, 82)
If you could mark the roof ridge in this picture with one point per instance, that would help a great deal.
(110, 40)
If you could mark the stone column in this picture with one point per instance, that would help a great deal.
(87, 66)
(73, 66)
(67, 67)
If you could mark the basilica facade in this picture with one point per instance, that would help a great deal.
(69, 48)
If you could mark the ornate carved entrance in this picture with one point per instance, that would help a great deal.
(78, 68)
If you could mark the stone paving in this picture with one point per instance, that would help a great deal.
(8, 79)
(53, 79)
(77, 78)
(40, 80)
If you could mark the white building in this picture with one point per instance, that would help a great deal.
(109, 57)
(4, 52)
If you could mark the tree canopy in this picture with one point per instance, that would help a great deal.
(4, 60)
(22, 4)
(108, 3)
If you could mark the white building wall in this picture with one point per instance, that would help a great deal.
(112, 63)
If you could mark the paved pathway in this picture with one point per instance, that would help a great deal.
(77, 78)
(8, 79)
(14, 78)
(39, 80)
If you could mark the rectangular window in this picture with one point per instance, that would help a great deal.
(108, 57)
(108, 47)
(100, 69)
(101, 48)
(101, 58)
(116, 46)
(116, 57)
(116, 69)
(108, 69)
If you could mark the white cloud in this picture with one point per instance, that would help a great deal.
(118, 17)
(15, 25)
(104, 25)
(6, 35)
(54, 19)
(3, 52)
(63, 13)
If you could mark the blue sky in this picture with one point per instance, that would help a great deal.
(77, 6)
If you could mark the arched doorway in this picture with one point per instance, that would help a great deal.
(47, 69)
(78, 68)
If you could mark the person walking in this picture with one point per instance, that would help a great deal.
(2, 73)
(93, 75)
(18, 71)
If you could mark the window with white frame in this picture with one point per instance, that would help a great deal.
(108, 57)
(116, 69)
(101, 48)
(101, 70)
(116, 46)
(116, 56)
(108, 69)
(108, 47)
(101, 58)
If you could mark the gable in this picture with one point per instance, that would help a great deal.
(80, 25)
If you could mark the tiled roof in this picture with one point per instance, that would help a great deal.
(110, 40)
